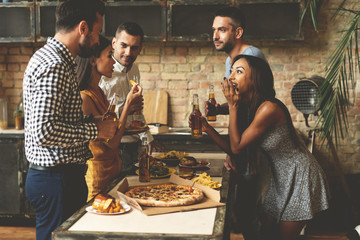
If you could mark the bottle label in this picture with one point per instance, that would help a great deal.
(211, 118)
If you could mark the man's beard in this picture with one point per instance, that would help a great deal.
(228, 46)
(86, 50)
(129, 63)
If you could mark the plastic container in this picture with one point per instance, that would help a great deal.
(3, 114)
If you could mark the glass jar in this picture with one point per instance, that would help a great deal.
(19, 119)
(3, 113)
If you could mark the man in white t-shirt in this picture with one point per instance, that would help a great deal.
(127, 45)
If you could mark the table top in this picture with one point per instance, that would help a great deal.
(200, 224)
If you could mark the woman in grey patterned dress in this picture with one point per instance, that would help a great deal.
(297, 186)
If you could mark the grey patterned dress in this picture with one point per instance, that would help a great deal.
(297, 186)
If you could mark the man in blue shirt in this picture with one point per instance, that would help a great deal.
(228, 31)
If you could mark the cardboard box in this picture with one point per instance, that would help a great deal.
(211, 199)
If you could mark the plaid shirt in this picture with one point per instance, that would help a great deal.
(55, 128)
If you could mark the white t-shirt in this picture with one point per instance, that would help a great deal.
(120, 85)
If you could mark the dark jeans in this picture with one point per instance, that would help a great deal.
(245, 206)
(55, 196)
(129, 154)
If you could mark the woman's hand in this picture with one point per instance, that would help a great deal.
(204, 123)
(231, 93)
(135, 98)
(229, 164)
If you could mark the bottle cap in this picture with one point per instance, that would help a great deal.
(17, 111)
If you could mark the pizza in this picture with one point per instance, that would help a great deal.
(165, 195)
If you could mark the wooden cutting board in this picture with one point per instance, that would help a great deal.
(156, 107)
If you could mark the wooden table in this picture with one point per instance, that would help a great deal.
(198, 224)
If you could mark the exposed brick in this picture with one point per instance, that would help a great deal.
(181, 51)
(178, 85)
(156, 67)
(215, 76)
(13, 67)
(3, 50)
(150, 76)
(144, 67)
(206, 68)
(169, 50)
(173, 76)
(178, 102)
(206, 51)
(178, 93)
(194, 51)
(307, 59)
(197, 76)
(173, 59)
(14, 51)
(161, 84)
(219, 67)
(148, 59)
(196, 59)
(14, 75)
(18, 84)
(277, 67)
(178, 109)
(17, 59)
(206, 84)
(194, 84)
(7, 84)
(170, 68)
(290, 67)
(2, 67)
(148, 84)
(13, 92)
(183, 67)
(216, 59)
(181, 116)
(23, 67)
(305, 67)
(152, 50)
(195, 68)
(27, 50)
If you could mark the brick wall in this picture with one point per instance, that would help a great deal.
(185, 68)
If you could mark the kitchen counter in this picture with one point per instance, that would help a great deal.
(180, 139)
(11, 133)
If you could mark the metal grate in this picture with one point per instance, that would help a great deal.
(305, 96)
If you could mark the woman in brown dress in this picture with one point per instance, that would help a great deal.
(106, 161)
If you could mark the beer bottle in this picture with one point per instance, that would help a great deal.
(110, 112)
(144, 162)
(211, 116)
(196, 131)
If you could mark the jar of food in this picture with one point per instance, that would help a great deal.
(19, 119)
(3, 113)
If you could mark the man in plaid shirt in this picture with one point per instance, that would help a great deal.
(56, 132)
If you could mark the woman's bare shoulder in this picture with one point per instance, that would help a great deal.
(271, 111)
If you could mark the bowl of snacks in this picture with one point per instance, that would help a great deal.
(171, 158)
